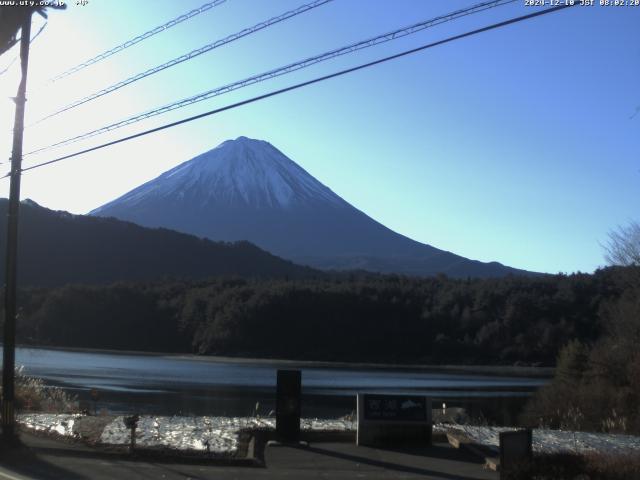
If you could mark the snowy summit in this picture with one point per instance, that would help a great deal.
(240, 171)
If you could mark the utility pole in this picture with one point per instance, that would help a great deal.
(9, 434)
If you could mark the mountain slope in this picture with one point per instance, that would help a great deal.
(58, 248)
(247, 189)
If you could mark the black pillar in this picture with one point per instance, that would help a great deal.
(288, 393)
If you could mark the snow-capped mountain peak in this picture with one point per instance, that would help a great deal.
(252, 172)
(247, 189)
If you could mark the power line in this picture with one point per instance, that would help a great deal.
(138, 39)
(402, 32)
(303, 84)
(40, 30)
(13, 60)
(189, 56)
(6, 69)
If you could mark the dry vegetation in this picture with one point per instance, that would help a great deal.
(585, 467)
(597, 387)
(33, 395)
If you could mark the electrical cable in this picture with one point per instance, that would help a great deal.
(138, 39)
(13, 60)
(188, 56)
(303, 84)
(399, 33)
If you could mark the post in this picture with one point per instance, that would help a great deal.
(516, 451)
(95, 396)
(132, 423)
(10, 287)
(288, 391)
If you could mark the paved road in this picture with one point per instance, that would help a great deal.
(49, 460)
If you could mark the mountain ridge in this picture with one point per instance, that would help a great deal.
(57, 248)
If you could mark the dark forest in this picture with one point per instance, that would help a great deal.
(373, 318)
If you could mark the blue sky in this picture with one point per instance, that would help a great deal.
(515, 145)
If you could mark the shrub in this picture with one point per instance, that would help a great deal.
(596, 388)
(32, 394)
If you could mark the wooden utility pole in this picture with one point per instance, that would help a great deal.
(10, 288)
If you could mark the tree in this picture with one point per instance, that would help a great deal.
(623, 245)
(12, 16)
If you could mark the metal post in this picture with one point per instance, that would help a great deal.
(10, 290)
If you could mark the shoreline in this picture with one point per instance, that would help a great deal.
(497, 370)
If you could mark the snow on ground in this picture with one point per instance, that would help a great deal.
(215, 434)
(60, 423)
(220, 434)
(205, 434)
(555, 441)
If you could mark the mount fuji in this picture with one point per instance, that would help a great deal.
(247, 189)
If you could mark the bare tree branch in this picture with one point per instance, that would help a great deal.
(623, 245)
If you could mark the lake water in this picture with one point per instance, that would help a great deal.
(165, 384)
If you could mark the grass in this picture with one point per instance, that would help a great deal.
(33, 395)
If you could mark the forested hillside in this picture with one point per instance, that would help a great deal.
(58, 248)
(352, 318)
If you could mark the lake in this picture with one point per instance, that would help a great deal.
(172, 384)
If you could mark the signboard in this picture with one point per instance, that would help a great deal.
(288, 392)
(395, 408)
(387, 420)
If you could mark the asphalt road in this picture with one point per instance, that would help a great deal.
(47, 459)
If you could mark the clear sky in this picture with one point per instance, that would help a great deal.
(516, 145)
